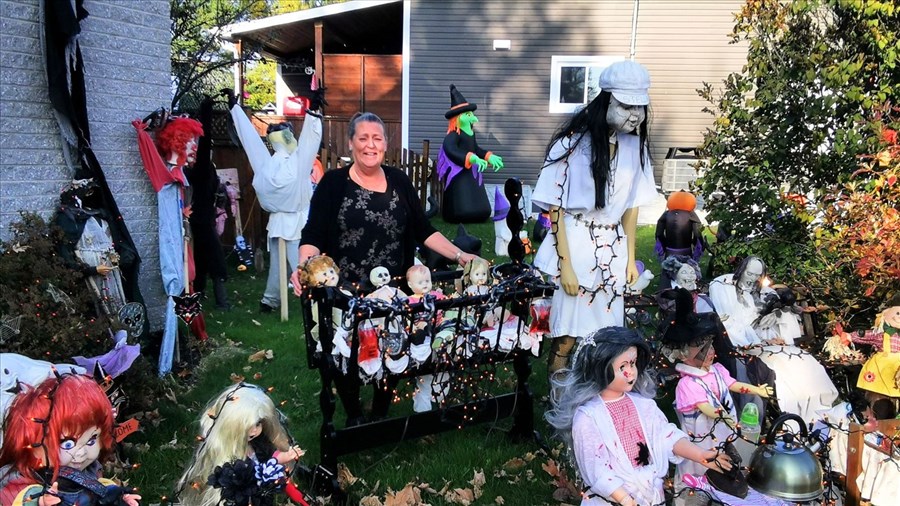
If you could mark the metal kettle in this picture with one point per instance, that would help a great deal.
(786, 468)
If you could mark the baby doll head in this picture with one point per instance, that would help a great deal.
(598, 361)
(320, 270)
(77, 428)
(477, 272)
(239, 414)
(418, 277)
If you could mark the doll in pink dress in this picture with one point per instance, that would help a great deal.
(603, 409)
(703, 395)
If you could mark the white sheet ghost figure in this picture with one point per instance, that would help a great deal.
(15, 369)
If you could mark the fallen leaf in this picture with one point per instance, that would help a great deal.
(344, 476)
(477, 482)
(514, 464)
(18, 248)
(256, 322)
(370, 500)
(236, 378)
(462, 496)
(270, 354)
(499, 500)
(408, 496)
(529, 457)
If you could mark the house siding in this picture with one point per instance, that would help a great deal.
(125, 46)
(681, 43)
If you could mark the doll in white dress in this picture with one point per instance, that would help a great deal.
(603, 409)
(596, 174)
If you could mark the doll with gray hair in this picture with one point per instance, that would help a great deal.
(618, 438)
(240, 422)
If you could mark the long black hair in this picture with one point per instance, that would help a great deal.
(592, 119)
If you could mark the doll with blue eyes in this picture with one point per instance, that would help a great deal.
(58, 434)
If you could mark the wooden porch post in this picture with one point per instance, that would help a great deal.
(320, 69)
(239, 53)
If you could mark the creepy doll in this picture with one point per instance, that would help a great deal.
(418, 277)
(238, 424)
(703, 395)
(391, 329)
(603, 409)
(58, 434)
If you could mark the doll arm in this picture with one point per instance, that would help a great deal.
(871, 337)
(711, 459)
(37, 495)
(567, 276)
(715, 414)
(293, 454)
(629, 224)
(763, 390)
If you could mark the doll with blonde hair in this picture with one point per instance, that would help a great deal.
(58, 434)
(240, 422)
(320, 270)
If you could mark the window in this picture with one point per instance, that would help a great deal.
(574, 80)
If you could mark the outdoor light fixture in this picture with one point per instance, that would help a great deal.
(501, 44)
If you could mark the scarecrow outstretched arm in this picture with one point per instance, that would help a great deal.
(253, 145)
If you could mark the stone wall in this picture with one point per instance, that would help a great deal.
(125, 46)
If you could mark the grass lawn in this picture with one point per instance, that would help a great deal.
(513, 471)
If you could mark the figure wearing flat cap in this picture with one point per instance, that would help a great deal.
(460, 163)
(596, 174)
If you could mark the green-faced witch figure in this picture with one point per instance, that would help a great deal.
(460, 163)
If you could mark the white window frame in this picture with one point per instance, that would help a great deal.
(595, 64)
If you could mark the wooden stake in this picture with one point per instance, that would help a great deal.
(282, 278)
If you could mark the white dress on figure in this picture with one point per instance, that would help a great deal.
(597, 241)
(284, 188)
(802, 385)
(602, 459)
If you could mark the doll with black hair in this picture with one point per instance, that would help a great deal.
(596, 175)
(603, 409)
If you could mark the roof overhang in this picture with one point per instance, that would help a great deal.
(357, 26)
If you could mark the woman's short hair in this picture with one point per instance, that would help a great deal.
(363, 117)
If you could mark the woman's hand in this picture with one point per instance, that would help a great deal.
(465, 258)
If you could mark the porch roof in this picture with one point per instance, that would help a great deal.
(357, 26)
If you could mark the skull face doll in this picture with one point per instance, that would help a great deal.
(391, 329)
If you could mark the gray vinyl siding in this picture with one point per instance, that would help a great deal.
(681, 43)
(125, 46)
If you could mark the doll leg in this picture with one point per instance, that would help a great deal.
(560, 350)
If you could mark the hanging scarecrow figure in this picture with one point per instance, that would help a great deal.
(283, 186)
(175, 147)
(465, 200)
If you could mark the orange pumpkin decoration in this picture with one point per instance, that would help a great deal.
(681, 201)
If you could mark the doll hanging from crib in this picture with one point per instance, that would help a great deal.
(58, 434)
(390, 329)
(703, 398)
(321, 270)
(244, 448)
(423, 326)
(619, 439)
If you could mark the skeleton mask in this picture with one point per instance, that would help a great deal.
(379, 276)
(132, 316)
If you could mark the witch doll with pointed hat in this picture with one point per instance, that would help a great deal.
(460, 163)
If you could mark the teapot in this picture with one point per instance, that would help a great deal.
(784, 467)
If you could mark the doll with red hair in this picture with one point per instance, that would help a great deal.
(58, 435)
(164, 162)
